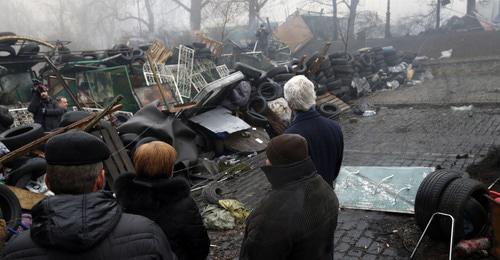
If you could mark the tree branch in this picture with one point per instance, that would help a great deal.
(182, 5)
(204, 3)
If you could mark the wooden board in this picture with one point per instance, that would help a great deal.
(294, 33)
(119, 162)
(26, 198)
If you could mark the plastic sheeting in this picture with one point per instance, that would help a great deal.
(388, 189)
(149, 121)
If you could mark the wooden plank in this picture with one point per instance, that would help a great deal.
(127, 162)
(26, 198)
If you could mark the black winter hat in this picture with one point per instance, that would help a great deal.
(75, 148)
(287, 149)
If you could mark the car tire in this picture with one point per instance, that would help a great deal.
(283, 77)
(453, 202)
(310, 61)
(329, 110)
(278, 70)
(249, 71)
(258, 104)
(10, 207)
(16, 137)
(269, 91)
(428, 198)
(255, 119)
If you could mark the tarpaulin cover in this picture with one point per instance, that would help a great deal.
(149, 121)
(389, 189)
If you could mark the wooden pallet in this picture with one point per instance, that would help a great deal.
(119, 162)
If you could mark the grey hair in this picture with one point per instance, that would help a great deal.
(300, 93)
(73, 179)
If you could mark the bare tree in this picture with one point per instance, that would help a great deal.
(194, 10)
(223, 12)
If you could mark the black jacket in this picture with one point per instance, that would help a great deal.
(6, 119)
(297, 220)
(45, 112)
(168, 203)
(89, 226)
(325, 140)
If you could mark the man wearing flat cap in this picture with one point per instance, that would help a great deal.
(82, 221)
(297, 220)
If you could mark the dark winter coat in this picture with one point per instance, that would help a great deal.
(167, 202)
(297, 220)
(45, 112)
(325, 139)
(6, 120)
(89, 226)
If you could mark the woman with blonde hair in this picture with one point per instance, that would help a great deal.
(153, 192)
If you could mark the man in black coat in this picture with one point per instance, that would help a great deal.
(45, 111)
(297, 220)
(168, 202)
(82, 222)
(324, 136)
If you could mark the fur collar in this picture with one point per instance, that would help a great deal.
(134, 192)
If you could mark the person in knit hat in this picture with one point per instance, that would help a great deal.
(297, 220)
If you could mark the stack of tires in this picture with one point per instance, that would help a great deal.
(454, 193)
(379, 59)
(343, 70)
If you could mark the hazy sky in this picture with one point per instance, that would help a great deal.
(399, 8)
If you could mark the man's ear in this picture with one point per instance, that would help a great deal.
(101, 181)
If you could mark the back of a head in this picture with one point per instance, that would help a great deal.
(287, 149)
(154, 159)
(74, 161)
(300, 94)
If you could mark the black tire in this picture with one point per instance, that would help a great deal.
(325, 65)
(249, 71)
(310, 60)
(329, 110)
(30, 49)
(258, 104)
(339, 61)
(10, 206)
(33, 168)
(453, 202)
(278, 70)
(255, 119)
(334, 84)
(269, 91)
(18, 136)
(343, 68)
(342, 91)
(475, 218)
(283, 77)
(212, 193)
(321, 90)
(9, 42)
(71, 117)
(428, 197)
(330, 73)
(7, 51)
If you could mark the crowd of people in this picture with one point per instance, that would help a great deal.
(150, 213)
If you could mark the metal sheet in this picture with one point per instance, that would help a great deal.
(389, 189)
(220, 120)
